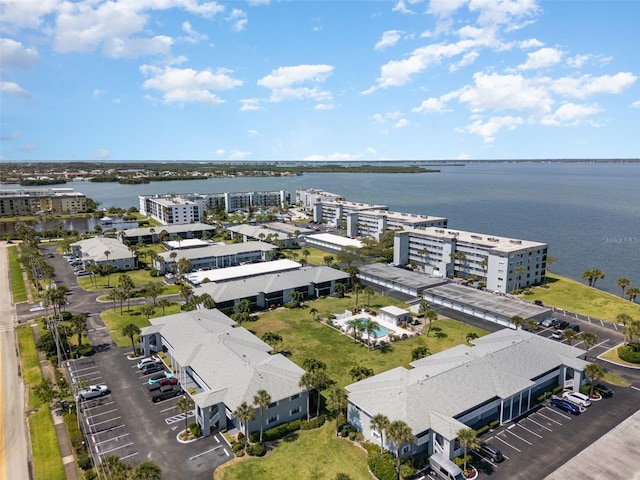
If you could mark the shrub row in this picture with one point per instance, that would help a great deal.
(630, 353)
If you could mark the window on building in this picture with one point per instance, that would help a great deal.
(271, 420)
(294, 397)
(272, 404)
(294, 411)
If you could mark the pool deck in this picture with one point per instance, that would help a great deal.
(343, 324)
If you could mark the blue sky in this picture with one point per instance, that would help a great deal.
(318, 80)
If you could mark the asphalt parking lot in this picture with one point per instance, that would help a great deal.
(128, 424)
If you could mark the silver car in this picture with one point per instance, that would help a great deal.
(93, 391)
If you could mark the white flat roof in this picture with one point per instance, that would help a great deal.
(188, 243)
(335, 239)
(230, 273)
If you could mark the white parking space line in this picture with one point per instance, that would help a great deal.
(518, 436)
(110, 439)
(601, 344)
(113, 449)
(178, 418)
(205, 452)
(507, 443)
(559, 413)
(100, 423)
(86, 409)
(635, 388)
(107, 430)
(486, 459)
(548, 418)
(167, 409)
(530, 431)
(539, 424)
(129, 456)
(104, 413)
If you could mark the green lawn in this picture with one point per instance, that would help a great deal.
(303, 337)
(116, 322)
(307, 454)
(18, 288)
(565, 293)
(139, 277)
(47, 461)
(316, 257)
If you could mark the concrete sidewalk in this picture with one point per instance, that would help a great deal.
(616, 455)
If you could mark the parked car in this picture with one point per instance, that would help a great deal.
(560, 324)
(547, 322)
(93, 391)
(603, 389)
(50, 255)
(151, 368)
(538, 302)
(165, 392)
(159, 376)
(573, 326)
(147, 361)
(577, 398)
(566, 405)
(162, 383)
(557, 335)
(493, 453)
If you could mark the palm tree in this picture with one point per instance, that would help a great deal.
(594, 373)
(147, 310)
(320, 381)
(163, 303)
(261, 400)
(590, 339)
(419, 352)
(357, 288)
(126, 284)
(399, 433)
(328, 260)
(596, 275)
(368, 291)
(306, 382)
(296, 297)
(370, 326)
(79, 327)
(623, 283)
(468, 438)
(519, 270)
(106, 270)
(272, 338)
(569, 335)
(153, 290)
(313, 365)
(106, 254)
(184, 406)
(471, 336)
(207, 301)
(588, 276)
(380, 423)
(431, 315)
(360, 372)
(131, 330)
(517, 321)
(313, 312)
(185, 292)
(632, 293)
(337, 401)
(245, 414)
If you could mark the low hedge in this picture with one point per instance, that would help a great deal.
(630, 353)
(256, 450)
(276, 433)
(312, 424)
(382, 466)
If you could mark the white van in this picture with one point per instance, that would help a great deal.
(577, 398)
(445, 468)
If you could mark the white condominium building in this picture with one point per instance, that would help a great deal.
(191, 207)
(374, 223)
(503, 263)
(336, 212)
(308, 197)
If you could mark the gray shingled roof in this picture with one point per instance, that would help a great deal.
(233, 363)
(94, 248)
(454, 381)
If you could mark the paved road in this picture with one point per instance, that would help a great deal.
(14, 450)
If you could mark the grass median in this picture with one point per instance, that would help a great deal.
(18, 288)
(304, 454)
(47, 462)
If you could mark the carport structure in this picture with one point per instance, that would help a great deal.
(484, 305)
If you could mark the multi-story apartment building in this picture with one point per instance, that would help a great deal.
(373, 223)
(503, 263)
(191, 207)
(336, 212)
(308, 197)
(32, 201)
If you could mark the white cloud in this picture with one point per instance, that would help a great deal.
(506, 92)
(324, 106)
(100, 154)
(253, 133)
(282, 83)
(29, 147)
(543, 58)
(187, 85)
(444, 8)
(238, 155)
(13, 88)
(15, 55)
(401, 6)
(570, 114)
(430, 105)
(636, 104)
(219, 152)
(467, 59)
(332, 157)
(389, 39)
(530, 43)
(250, 105)
(371, 151)
(238, 19)
(11, 136)
(97, 93)
(192, 35)
(18, 14)
(578, 61)
(513, 13)
(377, 118)
(463, 156)
(489, 129)
(402, 123)
(586, 85)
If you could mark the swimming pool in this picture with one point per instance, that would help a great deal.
(377, 332)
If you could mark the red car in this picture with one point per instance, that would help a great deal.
(162, 382)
